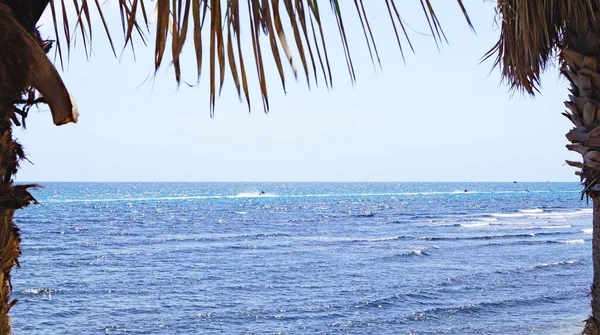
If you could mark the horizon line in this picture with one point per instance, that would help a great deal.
(287, 181)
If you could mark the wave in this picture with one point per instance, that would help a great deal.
(540, 213)
(479, 219)
(554, 227)
(452, 311)
(480, 308)
(488, 237)
(587, 230)
(474, 225)
(571, 241)
(536, 210)
(545, 265)
(537, 242)
(202, 315)
(415, 252)
(218, 237)
(377, 239)
(272, 235)
(508, 215)
(467, 222)
(365, 215)
(481, 276)
(45, 292)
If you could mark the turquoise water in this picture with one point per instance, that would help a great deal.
(304, 258)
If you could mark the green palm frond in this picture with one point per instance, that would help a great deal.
(221, 21)
(531, 33)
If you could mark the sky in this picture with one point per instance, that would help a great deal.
(442, 116)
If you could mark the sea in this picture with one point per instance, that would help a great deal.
(304, 258)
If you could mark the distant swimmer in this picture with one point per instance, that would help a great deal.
(466, 190)
(526, 190)
(261, 193)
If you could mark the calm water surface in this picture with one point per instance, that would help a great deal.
(304, 258)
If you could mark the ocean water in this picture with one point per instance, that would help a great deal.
(304, 258)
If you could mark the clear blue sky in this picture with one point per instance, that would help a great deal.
(441, 117)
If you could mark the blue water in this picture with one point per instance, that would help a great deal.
(305, 258)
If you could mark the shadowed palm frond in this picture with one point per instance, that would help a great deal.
(532, 32)
(220, 21)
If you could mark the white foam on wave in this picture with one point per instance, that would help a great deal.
(514, 224)
(571, 241)
(352, 239)
(555, 227)
(202, 315)
(474, 225)
(508, 215)
(543, 265)
(582, 211)
(536, 210)
(38, 291)
(541, 214)
(417, 252)
(587, 231)
(32, 291)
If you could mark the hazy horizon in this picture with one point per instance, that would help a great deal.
(294, 181)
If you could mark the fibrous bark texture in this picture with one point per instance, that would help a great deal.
(580, 53)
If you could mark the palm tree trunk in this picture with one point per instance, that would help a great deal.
(10, 153)
(9, 254)
(593, 321)
(580, 55)
(12, 197)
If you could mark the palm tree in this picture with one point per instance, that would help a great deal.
(24, 69)
(533, 35)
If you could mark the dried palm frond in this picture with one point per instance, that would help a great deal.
(23, 64)
(532, 32)
(220, 22)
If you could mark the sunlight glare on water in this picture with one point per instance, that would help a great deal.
(304, 258)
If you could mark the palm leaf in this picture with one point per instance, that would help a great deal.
(303, 17)
(532, 32)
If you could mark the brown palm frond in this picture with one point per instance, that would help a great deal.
(531, 32)
(225, 26)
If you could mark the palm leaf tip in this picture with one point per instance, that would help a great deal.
(217, 24)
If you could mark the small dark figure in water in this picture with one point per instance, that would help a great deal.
(261, 193)
(526, 190)
(466, 190)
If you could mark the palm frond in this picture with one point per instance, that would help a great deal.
(531, 33)
(225, 27)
